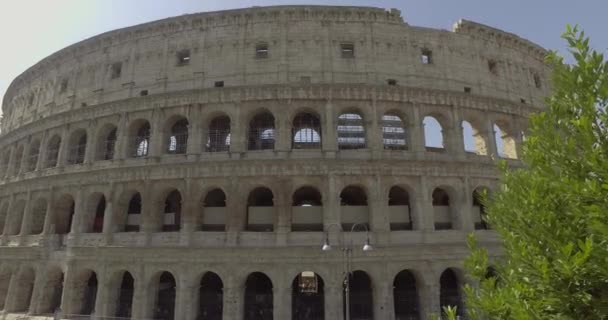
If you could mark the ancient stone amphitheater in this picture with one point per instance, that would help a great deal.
(193, 167)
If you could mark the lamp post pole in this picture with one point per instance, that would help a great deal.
(347, 252)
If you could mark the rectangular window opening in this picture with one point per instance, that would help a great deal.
(64, 86)
(391, 82)
(426, 56)
(537, 81)
(219, 84)
(261, 51)
(493, 67)
(116, 70)
(348, 50)
(467, 89)
(143, 93)
(522, 100)
(183, 57)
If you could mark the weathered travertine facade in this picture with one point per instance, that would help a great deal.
(206, 154)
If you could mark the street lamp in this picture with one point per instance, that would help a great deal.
(347, 253)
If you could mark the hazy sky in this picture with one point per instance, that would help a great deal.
(33, 29)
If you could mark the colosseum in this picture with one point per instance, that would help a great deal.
(288, 162)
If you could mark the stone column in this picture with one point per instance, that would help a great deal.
(184, 300)
(331, 205)
(455, 136)
(68, 291)
(13, 286)
(79, 214)
(63, 148)
(281, 296)
(283, 212)
(465, 207)
(374, 132)
(103, 295)
(328, 133)
(140, 292)
(381, 296)
(148, 210)
(378, 209)
(49, 226)
(283, 134)
(42, 151)
(122, 138)
(417, 134)
(195, 132)
(157, 134)
(9, 216)
(334, 299)
(27, 216)
(91, 146)
(38, 290)
(233, 300)
(492, 147)
(108, 215)
(424, 204)
(11, 162)
(190, 210)
(238, 133)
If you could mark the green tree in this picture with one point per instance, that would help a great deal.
(552, 215)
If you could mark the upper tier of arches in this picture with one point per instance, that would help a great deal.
(143, 60)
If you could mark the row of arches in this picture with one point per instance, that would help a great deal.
(166, 211)
(79, 295)
(261, 134)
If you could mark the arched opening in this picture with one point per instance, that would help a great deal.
(353, 202)
(218, 136)
(5, 280)
(307, 210)
(433, 135)
(16, 218)
(505, 142)
(450, 291)
(125, 296)
(394, 136)
(164, 308)
(479, 209)
(361, 299)
(77, 147)
(89, 295)
(172, 212)
(140, 139)
(34, 152)
(260, 210)
(211, 297)
(441, 210)
(64, 213)
(474, 140)
(214, 211)
(99, 215)
(52, 152)
(307, 297)
(178, 137)
(306, 131)
(38, 216)
(399, 208)
(23, 291)
(405, 295)
(106, 143)
(50, 299)
(18, 160)
(351, 131)
(261, 132)
(258, 297)
(133, 213)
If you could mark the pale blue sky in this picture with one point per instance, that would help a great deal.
(32, 29)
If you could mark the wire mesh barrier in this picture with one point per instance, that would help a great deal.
(32, 161)
(76, 154)
(218, 140)
(106, 149)
(178, 143)
(351, 131)
(393, 133)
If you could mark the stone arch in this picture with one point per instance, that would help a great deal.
(77, 145)
(260, 210)
(128, 212)
(307, 296)
(354, 208)
(350, 131)
(164, 288)
(361, 296)
(33, 155)
(38, 216)
(139, 134)
(106, 142)
(64, 214)
(52, 151)
(172, 211)
(505, 140)
(83, 294)
(259, 304)
(307, 209)
(443, 207)
(15, 217)
(400, 209)
(475, 140)
(306, 131)
(214, 213)
(394, 131)
(210, 297)
(125, 289)
(21, 296)
(479, 208)
(434, 138)
(218, 134)
(176, 140)
(450, 292)
(261, 133)
(405, 296)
